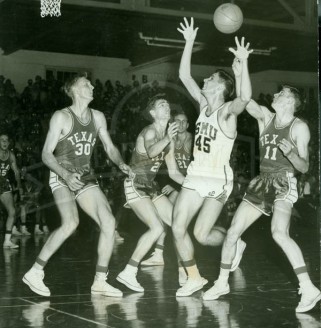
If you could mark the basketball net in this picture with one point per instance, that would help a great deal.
(50, 8)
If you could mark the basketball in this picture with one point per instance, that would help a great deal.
(228, 18)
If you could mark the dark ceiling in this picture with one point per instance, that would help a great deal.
(111, 29)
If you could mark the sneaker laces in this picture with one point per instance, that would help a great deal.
(102, 276)
(300, 292)
(135, 271)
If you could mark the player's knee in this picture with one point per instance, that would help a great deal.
(178, 213)
(201, 236)
(12, 212)
(70, 227)
(279, 236)
(108, 225)
(178, 230)
(157, 231)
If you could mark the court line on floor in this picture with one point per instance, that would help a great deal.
(69, 314)
(52, 296)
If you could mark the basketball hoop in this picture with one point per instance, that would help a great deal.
(50, 8)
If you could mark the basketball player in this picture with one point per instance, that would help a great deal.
(154, 145)
(30, 202)
(209, 179)
(67, 152)
(283, 151)
(182, 152)
(7, 162)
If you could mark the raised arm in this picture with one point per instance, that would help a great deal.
(109, 147)
(153, 147)
(172, 167)
(55, 128)
(242, 77)
(185, 76)
(301, 136)
(261, 113)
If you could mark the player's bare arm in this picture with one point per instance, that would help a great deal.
(172, 167)
(242, 77)
(57, 128)
(301, 136)
(189, 33)
(261, 113)
(109, 147)
(16, 171)
(154, 146)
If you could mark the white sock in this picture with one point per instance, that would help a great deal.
(223, 279)
(35, 268)
(306, 283)
(100, 275)
(7, 237)
(131, 269)
(181, 270)
(158, 251)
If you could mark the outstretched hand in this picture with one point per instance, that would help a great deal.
(242, 52)
(172, 130)
(188, 30)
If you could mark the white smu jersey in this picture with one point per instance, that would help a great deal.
(212, 148)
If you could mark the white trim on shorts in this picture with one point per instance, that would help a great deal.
(290, 177)
(290, 197)
(55, 184)
(259, 209)
(129, 184)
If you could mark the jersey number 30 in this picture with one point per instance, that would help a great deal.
(83, 149)
(203, 144)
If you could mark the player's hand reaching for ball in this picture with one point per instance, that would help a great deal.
(172, 130)
(242, 51)
(73, 181)
(188, 30)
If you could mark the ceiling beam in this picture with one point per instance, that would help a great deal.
(162, 60)
(297, 19)
(143, 6)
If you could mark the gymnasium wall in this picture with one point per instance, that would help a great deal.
(24, 64)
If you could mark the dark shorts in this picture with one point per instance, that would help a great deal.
(56, 182)
(268, 188)
(136, 190)
(5, 186)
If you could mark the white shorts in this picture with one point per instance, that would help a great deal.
(218, 187)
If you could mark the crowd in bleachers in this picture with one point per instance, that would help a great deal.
(26, 116)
